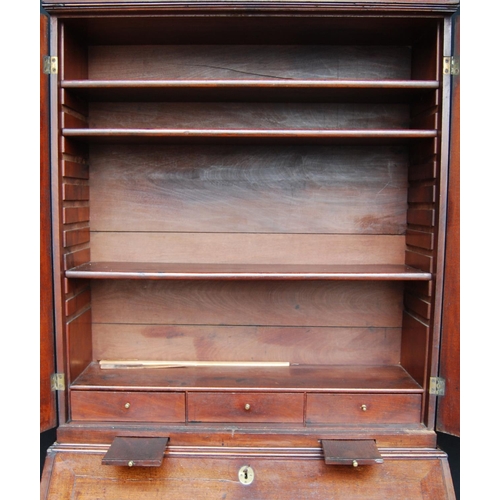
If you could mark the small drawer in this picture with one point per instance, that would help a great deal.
(128, 406)
(245, 407)
(363, 408)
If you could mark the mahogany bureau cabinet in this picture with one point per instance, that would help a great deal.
(246, 211)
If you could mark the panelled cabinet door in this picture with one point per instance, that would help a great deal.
(448, 417)
(48, 418)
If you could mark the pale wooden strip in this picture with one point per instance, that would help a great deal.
(114, 364)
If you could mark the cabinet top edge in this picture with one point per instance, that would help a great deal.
(407, 6)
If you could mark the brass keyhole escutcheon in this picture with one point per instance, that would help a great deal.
(127, 405)
(363, 408)
(246, 475)
(247, 407)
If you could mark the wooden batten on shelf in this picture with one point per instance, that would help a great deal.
(109, 364)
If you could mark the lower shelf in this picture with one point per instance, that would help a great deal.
(293, 378)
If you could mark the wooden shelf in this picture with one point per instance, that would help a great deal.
(295, 378)
(147, 270)
(363, 136)
(307, 90)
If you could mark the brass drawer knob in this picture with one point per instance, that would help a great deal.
(131, 463)
(247, 407)
(354, 463)
(127, 405)
(363, 407)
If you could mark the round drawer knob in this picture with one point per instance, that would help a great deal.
(247, 407)
(354, 463)
(131, 463)
(363, 407)
(127, 405)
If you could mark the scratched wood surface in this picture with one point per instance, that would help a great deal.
(248, 189)
(214, 62)
(243, 115)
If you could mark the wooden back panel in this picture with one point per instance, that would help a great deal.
(224, 203)
(249, 189)
(308, 322)
(48, 415)
(248, 62)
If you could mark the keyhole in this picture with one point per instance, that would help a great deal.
(246, 475)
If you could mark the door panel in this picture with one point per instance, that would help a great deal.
(48, 418)
(448, 416)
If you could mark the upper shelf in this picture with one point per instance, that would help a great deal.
(147, 270)
(325, 90)
(324, 136)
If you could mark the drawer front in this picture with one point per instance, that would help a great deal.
(363, 408)
(245, 407)
(128, 406)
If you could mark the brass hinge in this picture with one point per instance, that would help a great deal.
(50, 65)
(57, 382)
(437, 386)
(451, 65)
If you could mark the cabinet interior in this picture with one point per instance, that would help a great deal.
(251, 189)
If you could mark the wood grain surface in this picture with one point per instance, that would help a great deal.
(305, 345)
(247, 116)
(277, 303)
(289, 475)
(297, 378)
(248, 189)
(245, 62)
(244, 248)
